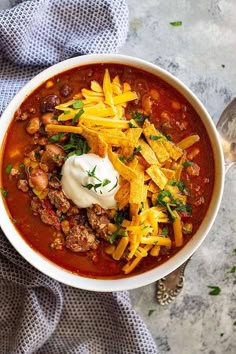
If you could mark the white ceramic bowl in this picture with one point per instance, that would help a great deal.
(66, 277)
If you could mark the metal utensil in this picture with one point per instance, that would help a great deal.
(169, 287)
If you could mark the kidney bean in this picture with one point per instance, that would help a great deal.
(38, 179)
(48, 103)
(65, 90)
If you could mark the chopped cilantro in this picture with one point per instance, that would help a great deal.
(179, 184)
(21, 165)
(131, 125)
(114, 235)
(215, 290)
(168, 137)
(115, 185)
(105, 182)
(118, 218)
(233, 269)
(77, 145)
(139, 117)
(165, 231)
(156, 137)
(92, 174)
(165, 198)
(122, 158)
(176, 23)
(77, 116)
(8, 168)
(55, 138)
(183, 207)
(77, 104)
(131, 157)
(187, 163)
(54, 118)
(4, 192)
(150, 312)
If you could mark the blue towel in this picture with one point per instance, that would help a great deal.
(38, 314)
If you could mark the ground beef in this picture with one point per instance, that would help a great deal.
(59, 242)
(22, 184)
(55, 183)
(35, 204)
(99, 220)
(49, 217)
(60, 201)
(81, 239)
(78, 219)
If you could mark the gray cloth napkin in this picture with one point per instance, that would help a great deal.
(38, 314)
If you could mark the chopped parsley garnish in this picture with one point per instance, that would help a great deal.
(122, 158)
(22, 165)
(139, 117)
(89, 186)
(54, 118)
(118, 218)
(176, 23)
(157, 138)
(77, 145)
(166, 199)
(150, 312)
(179, 184)
(92, 174)
(8, 168)
(136, 150)
(55, 138)
(131, 157)
(115, 185)
(187, 163)
(77, 104)
(233, 269)
(68, 111)
(4, 192)
(165, 231)
(77, 116)
(131, 125)
(215, 290)
(105, 182)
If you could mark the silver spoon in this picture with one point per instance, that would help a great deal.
(169, 287)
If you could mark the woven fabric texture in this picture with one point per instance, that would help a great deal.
(38, 314)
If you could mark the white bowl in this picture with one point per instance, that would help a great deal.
(66, 277)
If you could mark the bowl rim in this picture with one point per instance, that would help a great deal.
(107, 285)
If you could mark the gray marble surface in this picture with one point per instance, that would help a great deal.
(202, 54)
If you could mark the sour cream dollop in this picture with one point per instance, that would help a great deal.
(90, 179)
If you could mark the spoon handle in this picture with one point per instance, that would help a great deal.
(168, 288)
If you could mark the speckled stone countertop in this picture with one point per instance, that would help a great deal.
(201, 53)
